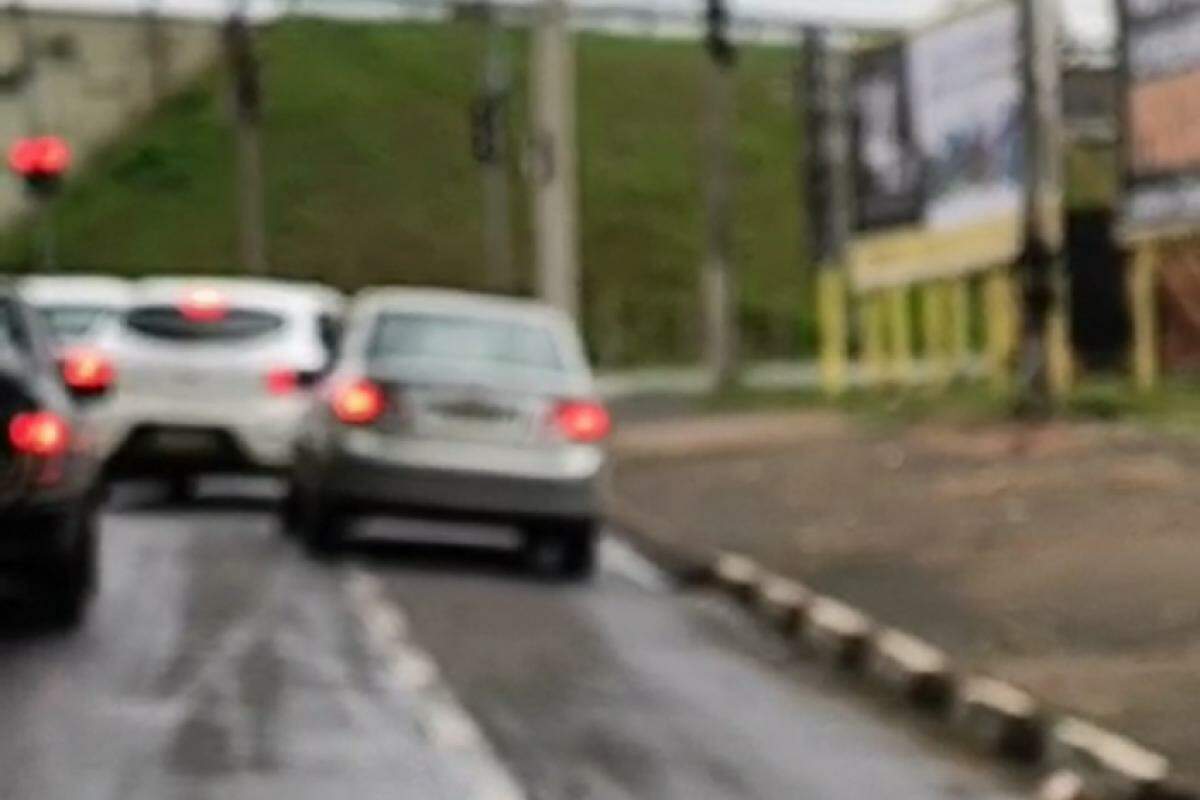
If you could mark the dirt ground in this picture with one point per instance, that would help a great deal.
(1063, 557)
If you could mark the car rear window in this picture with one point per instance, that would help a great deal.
(171, 323)
(74, 321)
(11, 338)
(461, 338)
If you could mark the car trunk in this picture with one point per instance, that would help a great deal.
(192, 364)
(430, 399)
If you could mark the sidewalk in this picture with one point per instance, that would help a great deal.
(1062, 558)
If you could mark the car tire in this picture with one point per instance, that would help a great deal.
(565, 550)
(320, 526)
(74, 579)
(181, 490)
(579, 559)
(290, 511)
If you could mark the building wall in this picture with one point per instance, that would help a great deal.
(88, 78)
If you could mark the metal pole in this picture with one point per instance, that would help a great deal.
(555, 211)
(247, 94)
(497, 222)
(718, 283)
(826, 193)
(157, 53)
(1042, 292)
(35, 124)
(35, 121)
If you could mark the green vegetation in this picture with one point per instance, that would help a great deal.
(1174, 408)
(370, 180)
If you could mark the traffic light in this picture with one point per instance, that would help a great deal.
(41, 161)
(720, 46)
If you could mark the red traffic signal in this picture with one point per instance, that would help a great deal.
(40, 158)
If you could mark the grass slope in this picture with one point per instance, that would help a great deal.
(370, 180)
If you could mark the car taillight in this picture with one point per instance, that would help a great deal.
(282, 382)
(582, 421)
(87, 370)
(39, 433)
(204, 304)
(360, 402)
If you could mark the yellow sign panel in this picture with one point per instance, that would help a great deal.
(913, 254)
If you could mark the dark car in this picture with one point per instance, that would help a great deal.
(49, 487)
(457, 406)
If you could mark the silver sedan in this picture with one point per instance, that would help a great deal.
(445, 404)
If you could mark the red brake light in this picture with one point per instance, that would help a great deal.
(39, 433)
(582, 421)
(87, 370)
(358, 403)
(204, 304)
(40, 157)
(282, 382)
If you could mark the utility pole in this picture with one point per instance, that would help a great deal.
(719, 287)
(490, 134)
(157, 53)
(555, 160)
(1044, 355)
(35, 122)
(823, 173)
(35, 125)
(247, 117)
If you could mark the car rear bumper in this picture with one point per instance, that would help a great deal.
(363, 485)
(39, 532)
(249, 438)
(146, 452)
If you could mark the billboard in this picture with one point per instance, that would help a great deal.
(1161, 71)
(887, 171)
(962, 131)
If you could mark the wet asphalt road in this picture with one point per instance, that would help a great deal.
(218, 662)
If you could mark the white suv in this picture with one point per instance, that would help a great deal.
(213, 375)
(78, 308)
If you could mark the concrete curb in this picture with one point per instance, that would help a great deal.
(837, 633)
(986, 714)
(915, 670)
(998, 718)
(1108, 764)
(1001, 719)
(784, 603)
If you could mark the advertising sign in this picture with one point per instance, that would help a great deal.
(958, 204)
(888, 171)
(1161, 58)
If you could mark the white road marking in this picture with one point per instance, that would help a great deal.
(441, 718)
(618, 557)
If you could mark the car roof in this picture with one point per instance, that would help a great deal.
(448, 301)
(254, 291)
(75, 289)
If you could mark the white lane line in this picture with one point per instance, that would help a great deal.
(441, 718)
(618, 557)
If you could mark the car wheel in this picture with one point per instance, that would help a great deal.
(74, 579)
(563, 550)
(579, 560)
(320, 526)
(181, 489)
(290, 511)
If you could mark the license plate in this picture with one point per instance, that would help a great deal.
(183, 441)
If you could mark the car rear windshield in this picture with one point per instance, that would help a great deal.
(13, 336)
(74, 321)
(461, 338)
(233, 325)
